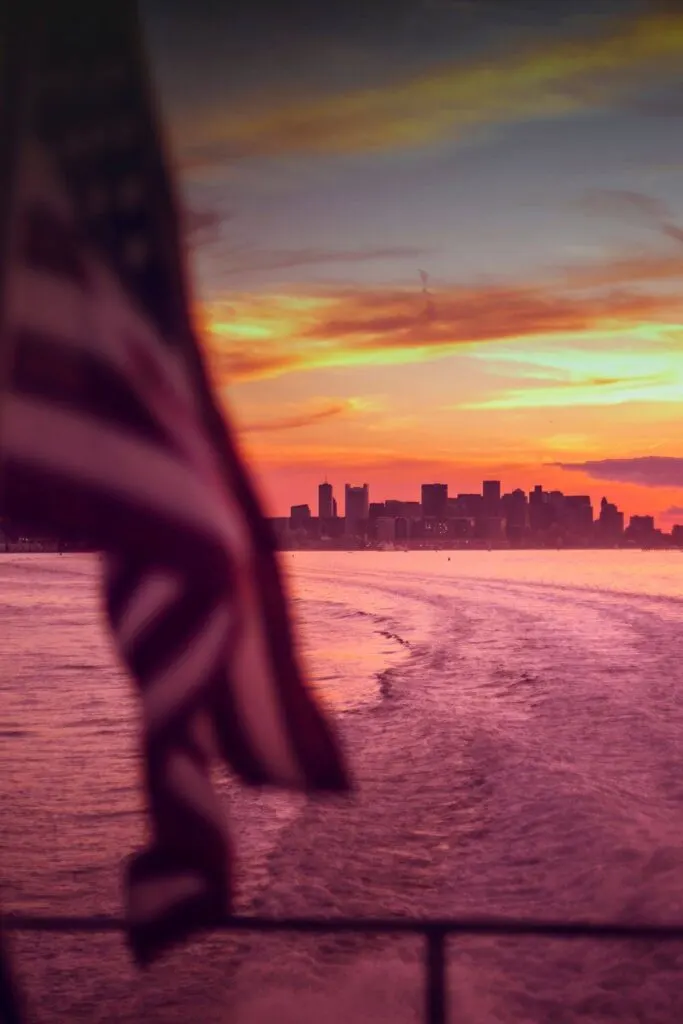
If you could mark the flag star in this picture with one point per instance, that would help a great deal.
(112, 74)
(130, 193)
(121, 133)
(96, 201)
(58, 80)
(84, 143)
(136, 251)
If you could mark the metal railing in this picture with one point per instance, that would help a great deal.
(434, 931)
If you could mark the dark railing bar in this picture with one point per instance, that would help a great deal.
(425, 926)
(12, 1010)
(435, 980)
(435, 932)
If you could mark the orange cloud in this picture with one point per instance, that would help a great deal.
(368, 458)
(553, 80)
(258, 336)
(302, 418)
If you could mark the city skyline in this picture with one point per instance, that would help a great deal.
(414, 495)
(491, 492)
(489, 517)
(437, 240)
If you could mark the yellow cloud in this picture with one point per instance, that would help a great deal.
(262, 336)
(576, 377)
(550, 81)
(293, 417)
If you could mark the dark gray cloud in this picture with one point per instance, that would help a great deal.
(645, 470)
(203, 225)
(629, 205)
(282, 259)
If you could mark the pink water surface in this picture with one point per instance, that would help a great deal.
(515, 721)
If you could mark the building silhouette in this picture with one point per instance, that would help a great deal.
(641, 530)
(299, 516)
(356, 508)
(326, 503)
(491, 498)
(404, 509)
(610, 522)
(538, 519)
(469, 506)
(434, 500)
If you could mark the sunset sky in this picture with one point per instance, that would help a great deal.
(437, 240)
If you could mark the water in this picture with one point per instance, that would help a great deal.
(515, 722)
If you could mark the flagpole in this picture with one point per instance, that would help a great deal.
(14, 100)
(13, 108)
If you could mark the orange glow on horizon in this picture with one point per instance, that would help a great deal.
(517, 377)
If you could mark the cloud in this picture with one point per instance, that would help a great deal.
(643, 268)
(588, 391)
(282, 259)
(302, 418)
(203, 226)
(264, 334)
(645, 470)
(625, 203)
(236, 364)
(464, 315)
(558, 78)
(577, 374)
(371, 458)
(672, 512)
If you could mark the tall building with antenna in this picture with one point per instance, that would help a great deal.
(326, 502)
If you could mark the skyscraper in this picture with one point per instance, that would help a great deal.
(611, 521)
(515, 509)
(434, 500)
(325, 501)
(299, 515)
(357, 503)
(491, 495)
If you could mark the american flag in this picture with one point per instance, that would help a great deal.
(108, 430)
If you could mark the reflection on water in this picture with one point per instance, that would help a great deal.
(515, 723)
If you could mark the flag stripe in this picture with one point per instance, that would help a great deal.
(127, 346)
(254, 696)
(155, 592)
(169, 693)
(191, 783)
(120, 522)
(65, 377)
(165, 639)
(110, 432)
(256, 708)
(53, 246)
(308, 730)
(122, 467)
(155, 895)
